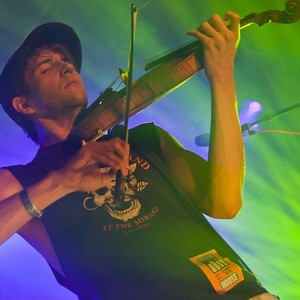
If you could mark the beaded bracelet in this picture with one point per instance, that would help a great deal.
(32, 210)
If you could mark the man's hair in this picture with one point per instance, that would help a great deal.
(23, 90)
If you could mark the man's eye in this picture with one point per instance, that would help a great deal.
(46, 70)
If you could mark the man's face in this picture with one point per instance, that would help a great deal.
(56, 88)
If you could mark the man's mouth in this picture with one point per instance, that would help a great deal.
(70, 83)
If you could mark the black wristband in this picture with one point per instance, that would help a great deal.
(32, 210)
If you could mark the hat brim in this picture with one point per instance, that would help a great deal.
(49, 33)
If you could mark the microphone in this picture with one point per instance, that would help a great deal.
(202, 140)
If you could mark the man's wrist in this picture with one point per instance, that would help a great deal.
(31, 209)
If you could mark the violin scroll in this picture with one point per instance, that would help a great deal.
(291, 14)
(292, 11)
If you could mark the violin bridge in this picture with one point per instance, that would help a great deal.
(93, 138)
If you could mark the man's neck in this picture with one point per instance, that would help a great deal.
(53, 131)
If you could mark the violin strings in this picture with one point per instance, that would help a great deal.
(145, 4)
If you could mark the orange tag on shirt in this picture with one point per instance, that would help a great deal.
(222, 273)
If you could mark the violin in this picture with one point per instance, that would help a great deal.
(163, 76)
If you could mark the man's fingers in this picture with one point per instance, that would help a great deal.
(216, 25)
(113, 153)
(234, 19)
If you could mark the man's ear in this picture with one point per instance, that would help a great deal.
(23, 105)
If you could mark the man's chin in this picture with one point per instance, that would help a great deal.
(80, 102)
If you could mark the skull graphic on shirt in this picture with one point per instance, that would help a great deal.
(105, 198)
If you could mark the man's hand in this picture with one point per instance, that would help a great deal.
(219, 44)
(95, 165)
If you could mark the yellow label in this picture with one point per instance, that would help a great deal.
(222, 273)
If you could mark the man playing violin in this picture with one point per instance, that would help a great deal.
(156, 244)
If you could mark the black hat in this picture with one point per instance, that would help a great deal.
(12, 74)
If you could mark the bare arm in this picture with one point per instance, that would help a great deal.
(82, 173)
(215, 186)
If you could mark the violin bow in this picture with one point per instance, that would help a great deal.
(120, 180)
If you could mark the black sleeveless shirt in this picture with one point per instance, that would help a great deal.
(155, 246)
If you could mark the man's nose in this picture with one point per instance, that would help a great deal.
(66, 68)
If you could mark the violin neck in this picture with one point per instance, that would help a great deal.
(196, 46)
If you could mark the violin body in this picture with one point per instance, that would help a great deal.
(150, 87)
